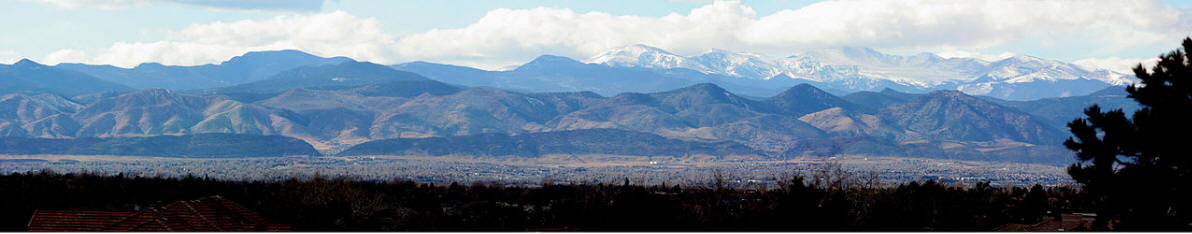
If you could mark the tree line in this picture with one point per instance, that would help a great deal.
(823, 201)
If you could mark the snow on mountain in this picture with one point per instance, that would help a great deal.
(738, 64)
(922, 70)
(645, 57)
(1021, 68)
(868, 69)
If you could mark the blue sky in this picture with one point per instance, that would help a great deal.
(494, 34)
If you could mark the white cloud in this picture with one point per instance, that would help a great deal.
(277, 5)
(326, 34)
(101, 4)
(963, 24)
(9, 57)
(967, 54)
(504, 37)
(508, 36)
(1123, 65)
(65, 56)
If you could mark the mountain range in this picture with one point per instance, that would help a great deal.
(847, 69)
(336, 104)
(252, 66)
(641, 68)
(30, 77)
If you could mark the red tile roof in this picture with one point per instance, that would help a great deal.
(70, 220)
(206, 214)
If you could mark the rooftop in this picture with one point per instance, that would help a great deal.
(212, 213)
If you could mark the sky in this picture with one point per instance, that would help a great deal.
(1110, 34)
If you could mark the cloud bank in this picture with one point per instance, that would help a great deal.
(1123, 65)
(326, 34)
(270, 5)
(969, 54)
(100, 4)
(505, 37)
(9, 57)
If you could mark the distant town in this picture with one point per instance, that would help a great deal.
(741, 172)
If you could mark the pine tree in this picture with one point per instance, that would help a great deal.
(1138, 167)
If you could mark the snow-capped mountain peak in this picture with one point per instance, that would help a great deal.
(738, 64)
(644, 56)
(1025, 59)
(859, 68)
(1023, 68)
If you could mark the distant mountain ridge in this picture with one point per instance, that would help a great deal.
(344, 74)
(30, 77)
(335, 106)
(952, 115)
(861, 69)
(803, 120)
(549, 73)
(250, 67)
(1059, 111)
(642, 68)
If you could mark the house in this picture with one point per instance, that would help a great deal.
(212, 213)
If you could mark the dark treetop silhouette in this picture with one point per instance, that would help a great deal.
(1138, 168)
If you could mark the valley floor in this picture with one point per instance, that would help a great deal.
(733, 171)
